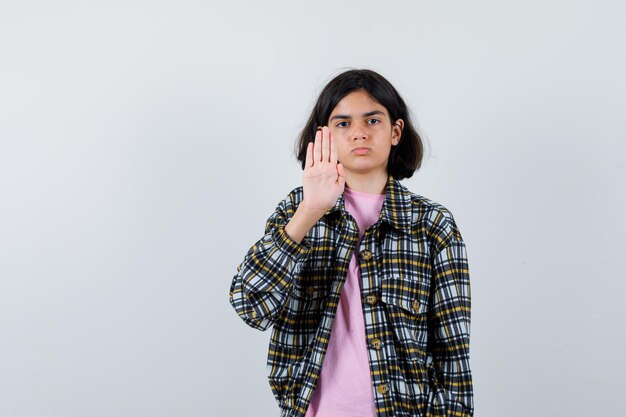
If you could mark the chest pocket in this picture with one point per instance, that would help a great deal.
(406, 302)
(406, 276)
(306, 288)
(405, 286)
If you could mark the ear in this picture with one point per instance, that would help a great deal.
(396, 131)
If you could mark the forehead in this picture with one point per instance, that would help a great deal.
(357, 102)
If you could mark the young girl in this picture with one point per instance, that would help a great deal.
(365, 283)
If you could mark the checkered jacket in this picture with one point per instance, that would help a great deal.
(416, 303)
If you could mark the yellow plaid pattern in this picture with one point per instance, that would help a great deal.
(416, 303)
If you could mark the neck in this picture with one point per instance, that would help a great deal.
(367, 183)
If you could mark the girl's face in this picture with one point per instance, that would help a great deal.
(364, 133)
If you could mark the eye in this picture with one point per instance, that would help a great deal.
(342, 125)
(376, 121)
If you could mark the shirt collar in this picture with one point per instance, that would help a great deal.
(396, 209)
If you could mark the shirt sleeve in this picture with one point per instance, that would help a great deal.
(452, 394)
(260, 288)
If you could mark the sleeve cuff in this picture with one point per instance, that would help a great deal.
(290, 246)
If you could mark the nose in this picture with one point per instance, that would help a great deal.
(359, 131)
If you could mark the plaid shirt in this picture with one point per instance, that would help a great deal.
(416, 303)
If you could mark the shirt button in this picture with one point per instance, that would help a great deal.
(416, 305)
(365, 254)
(371, 299)
(383, 388)
(376, 343)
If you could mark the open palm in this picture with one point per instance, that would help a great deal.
(324, 179)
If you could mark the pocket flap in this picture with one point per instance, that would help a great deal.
(309, 290)
(412, 303)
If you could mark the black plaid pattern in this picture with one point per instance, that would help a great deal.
(416, 300)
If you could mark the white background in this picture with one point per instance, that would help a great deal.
(143, 144)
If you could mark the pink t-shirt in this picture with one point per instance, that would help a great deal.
(344, 388)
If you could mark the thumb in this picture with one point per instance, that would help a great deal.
(341, 173)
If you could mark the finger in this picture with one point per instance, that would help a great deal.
(333, 149)
(317, 147)
(309, 155)
(328, 148)
(326, 144)
(341, 179)
(340, 170)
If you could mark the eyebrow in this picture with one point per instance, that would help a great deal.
(369, 113)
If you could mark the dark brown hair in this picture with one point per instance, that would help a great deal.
(406, 157)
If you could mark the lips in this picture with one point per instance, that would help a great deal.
(361, 150)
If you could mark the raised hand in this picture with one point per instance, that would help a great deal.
(324, 179)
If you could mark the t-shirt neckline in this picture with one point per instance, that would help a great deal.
(356, 193)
